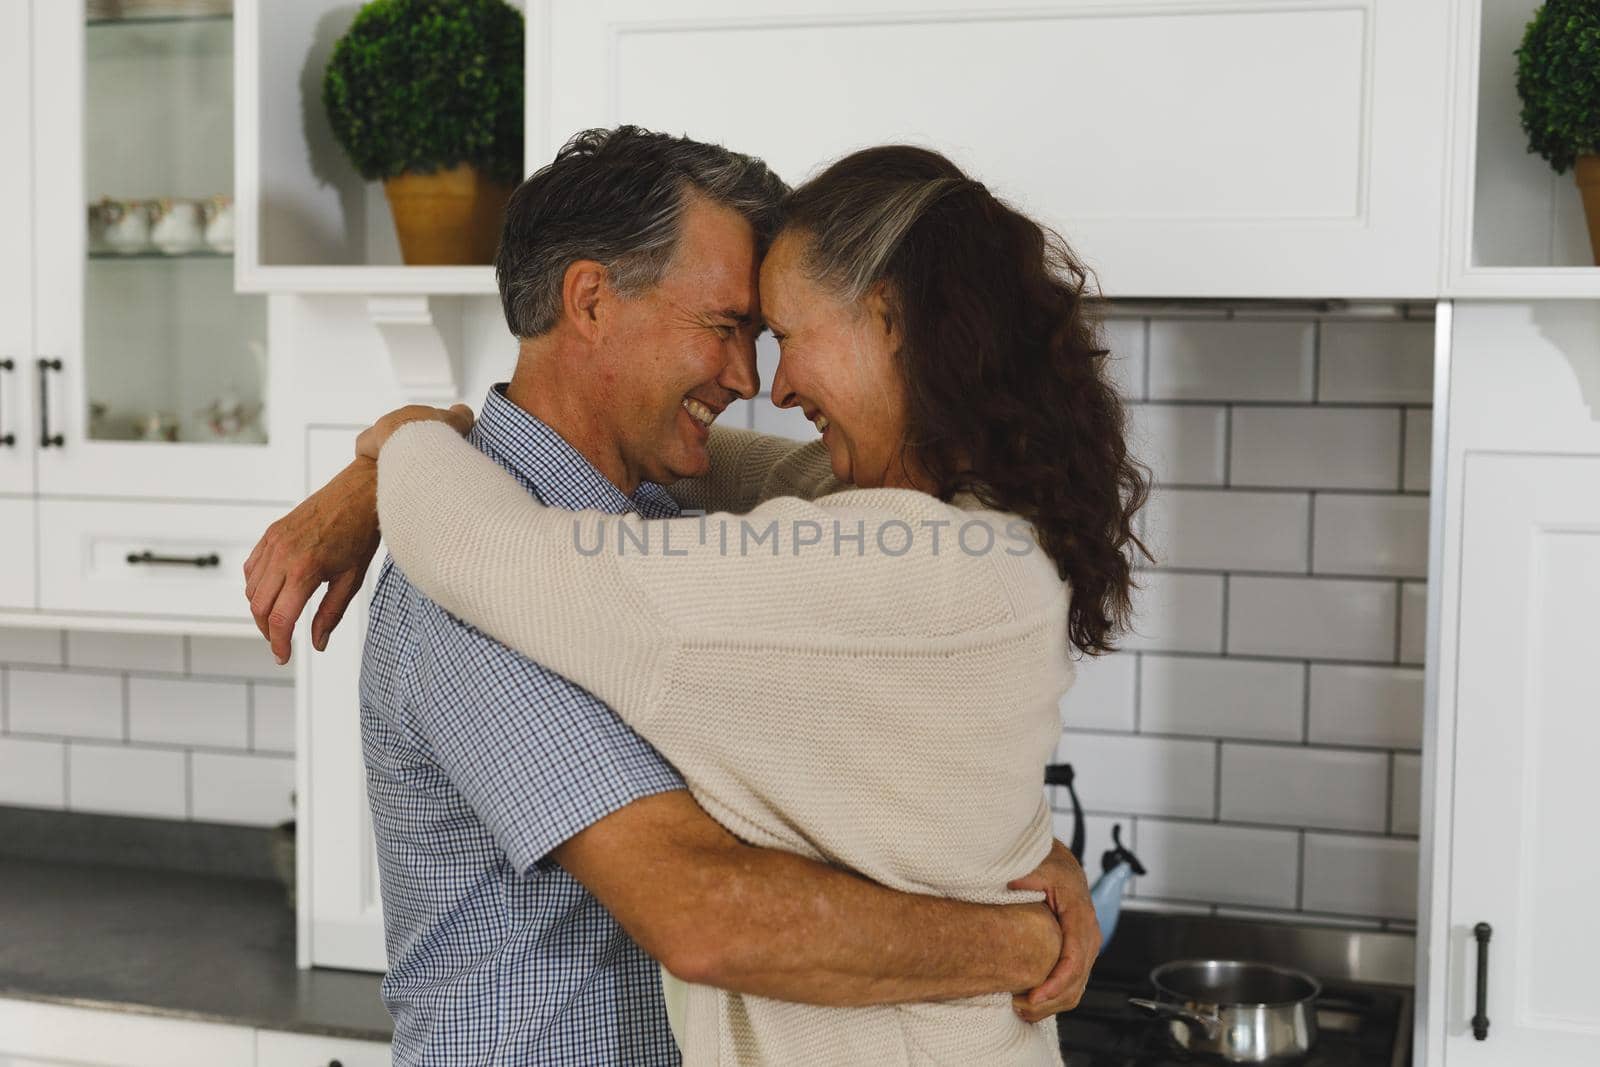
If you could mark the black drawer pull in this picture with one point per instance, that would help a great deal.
(8, 440)
(1480, 1021)
(211, 560)
(46, 438)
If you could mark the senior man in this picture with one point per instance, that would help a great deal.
(535, 852)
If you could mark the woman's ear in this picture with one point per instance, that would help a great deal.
(881, 307)
(582, 287)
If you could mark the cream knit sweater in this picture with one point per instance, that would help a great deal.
(889, 711)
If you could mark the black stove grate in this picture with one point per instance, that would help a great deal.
(1358, 1026)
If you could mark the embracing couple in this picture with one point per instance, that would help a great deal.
(638, 688)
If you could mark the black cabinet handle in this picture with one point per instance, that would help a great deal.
(1480, 1021)
(8, 440)
(147, 556)
(46, 438)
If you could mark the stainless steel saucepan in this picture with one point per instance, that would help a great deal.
(1241, 1012)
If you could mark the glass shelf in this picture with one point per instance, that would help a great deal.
(127, 257)
(156, 20)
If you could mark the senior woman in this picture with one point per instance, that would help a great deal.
(858, 655)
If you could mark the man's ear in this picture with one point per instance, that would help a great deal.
(583, 286)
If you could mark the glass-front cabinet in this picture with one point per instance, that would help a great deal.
(150, 371)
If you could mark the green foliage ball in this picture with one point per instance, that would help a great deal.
(423, 85)
(1558, 78)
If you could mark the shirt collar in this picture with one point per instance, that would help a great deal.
(551, 469)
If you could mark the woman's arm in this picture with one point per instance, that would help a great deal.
(749, 467)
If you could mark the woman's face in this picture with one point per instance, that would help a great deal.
(836, 363)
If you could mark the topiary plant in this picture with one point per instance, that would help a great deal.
(417, 86)
(1558, 78)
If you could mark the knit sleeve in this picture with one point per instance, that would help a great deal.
(749, 467)
(602, 599)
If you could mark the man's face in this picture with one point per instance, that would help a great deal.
(675, 355)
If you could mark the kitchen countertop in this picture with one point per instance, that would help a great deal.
(187, 945)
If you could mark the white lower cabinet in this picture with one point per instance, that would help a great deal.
(1527, 731)
(274, 1049)
(52, 1035)
(147, 558)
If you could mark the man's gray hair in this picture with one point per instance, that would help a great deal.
(617, 197)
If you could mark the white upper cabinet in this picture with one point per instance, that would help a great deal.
(155, 382)
(1185, 148)
(17, 367)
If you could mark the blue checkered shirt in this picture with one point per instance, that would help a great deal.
(479, 763)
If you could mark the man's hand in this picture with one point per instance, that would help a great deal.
(1066, 891)
(331, 537)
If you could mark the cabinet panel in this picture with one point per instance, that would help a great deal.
(17, 533)
(33, 1034)
(1184, 149)
(1526, 732)
(141, 558)
(16, 251)
(346, 912)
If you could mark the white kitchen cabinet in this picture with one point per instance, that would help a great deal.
(16, 268)
(148, 351)
(17, 531)
(1509, 788)
(274, 1049)
(1185, 148)
(35, 1035)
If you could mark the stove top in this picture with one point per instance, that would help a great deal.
(1358, 1026)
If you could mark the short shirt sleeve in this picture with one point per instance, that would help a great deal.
(537, 757)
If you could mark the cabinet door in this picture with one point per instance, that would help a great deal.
(16, 253)
(43, 1035)
(1527, 730)
(1185, 149)
(274, 1049)
(157, 382)
(341, 909)
(18, 532)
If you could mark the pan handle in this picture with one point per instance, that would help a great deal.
(1211, 1024)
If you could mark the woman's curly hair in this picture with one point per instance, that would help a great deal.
(1006, 381)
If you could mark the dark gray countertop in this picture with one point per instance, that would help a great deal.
(168, 943)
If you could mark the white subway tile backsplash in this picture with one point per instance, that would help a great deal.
(1221, 697)
(1419, 450)
(785, 422)
(1380, 362)
(1228, 529)
(1316, 448)
(116, 651)
(1177, 613)
(1124, 338)
(272, 718)
(1316, 618)
(32, 773)
(1370, 876)
(1413, 622)
(236, 657)
(183, 711)
(21, 644)
(1333, 789)
(1182, 444)
(1232, 360)
(1407, 801)
(1376, 706)
(1102, 694)
(255, 790)
(1218, 863)
(1142, 775)
(63, 704)
(124, 780)
(1383, 536)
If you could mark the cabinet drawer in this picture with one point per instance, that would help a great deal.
(275, 1049)
(147, 558)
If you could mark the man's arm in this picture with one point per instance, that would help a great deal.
(719, 912)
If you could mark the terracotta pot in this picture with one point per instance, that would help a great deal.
(1588, 174)
(447, 218)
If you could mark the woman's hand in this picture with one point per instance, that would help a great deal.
(370, 443)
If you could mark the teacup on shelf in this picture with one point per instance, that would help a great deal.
(219, 223)
(175, 226)
(123, 225)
